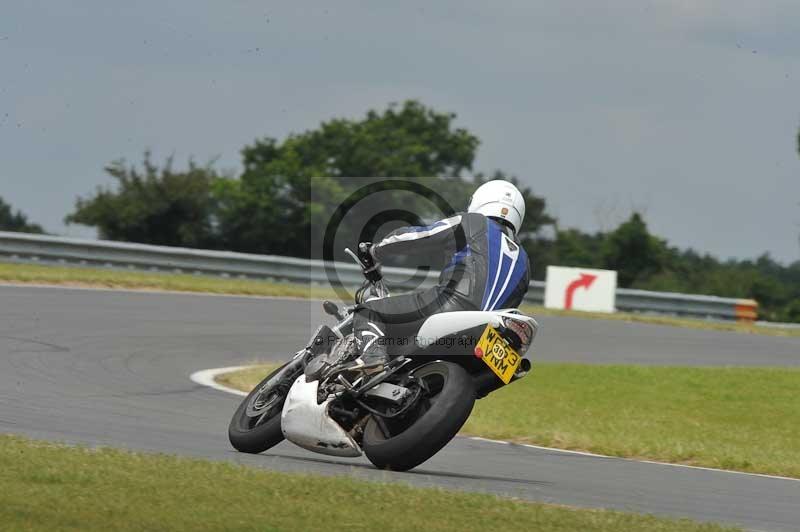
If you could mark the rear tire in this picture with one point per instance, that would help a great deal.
(448, 411)
(246, 433)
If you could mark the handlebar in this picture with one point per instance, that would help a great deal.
(353, 255)
(372, 272)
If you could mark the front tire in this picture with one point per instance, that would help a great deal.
(256, 424)
(449, 406)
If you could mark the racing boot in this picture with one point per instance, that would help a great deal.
(373, 357)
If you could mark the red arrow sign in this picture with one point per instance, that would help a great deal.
(585, 281)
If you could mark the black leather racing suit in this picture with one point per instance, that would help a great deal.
(488, 269)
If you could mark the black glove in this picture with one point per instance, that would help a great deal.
(372, 268)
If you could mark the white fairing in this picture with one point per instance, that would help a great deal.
(307, 424)
(447, 323)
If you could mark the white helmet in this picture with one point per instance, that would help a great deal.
(499, 199)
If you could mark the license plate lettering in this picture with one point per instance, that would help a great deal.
(501, 358)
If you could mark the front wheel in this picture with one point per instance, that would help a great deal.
(256, 424)
(401, 445)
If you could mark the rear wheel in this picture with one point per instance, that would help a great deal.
(402, 444)
(256, 424)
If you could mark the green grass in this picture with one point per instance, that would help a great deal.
(245, 379)
(744, 419)
(50, 487)
(110, 278)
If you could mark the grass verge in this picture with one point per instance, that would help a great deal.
(743, 419)
(245, 379)
(53, 487)
(179, 282)
(109, 278)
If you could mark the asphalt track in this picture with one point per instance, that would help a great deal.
(109, 367)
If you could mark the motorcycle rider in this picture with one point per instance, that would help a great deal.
(488, 269)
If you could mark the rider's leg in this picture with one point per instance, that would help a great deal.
(384, 326)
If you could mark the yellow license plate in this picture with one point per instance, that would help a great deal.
(498, 355)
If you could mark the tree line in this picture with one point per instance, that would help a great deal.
(11, 220)
(289, 190)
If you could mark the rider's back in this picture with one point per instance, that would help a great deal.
(488, 265)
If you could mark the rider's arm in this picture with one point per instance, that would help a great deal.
(418, 240)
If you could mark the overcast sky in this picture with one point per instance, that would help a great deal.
(686, 110)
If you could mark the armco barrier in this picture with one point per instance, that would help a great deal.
(630, 300)
(45, 249)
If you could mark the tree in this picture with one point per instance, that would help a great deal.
(633, 252)
(291, 189)
(578, 249)
(16, 221)
(153, 205)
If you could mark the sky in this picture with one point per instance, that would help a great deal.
(685, 110)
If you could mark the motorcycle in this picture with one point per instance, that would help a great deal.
(399, 415)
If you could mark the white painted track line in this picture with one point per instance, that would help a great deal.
(207, 377)
(594, 455)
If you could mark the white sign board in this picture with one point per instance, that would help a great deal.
(580, 289)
